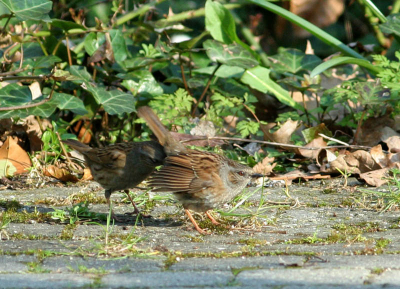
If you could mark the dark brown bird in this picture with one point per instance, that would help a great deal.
(121, 166)
(201, 181)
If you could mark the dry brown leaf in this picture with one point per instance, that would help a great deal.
(325, 156)
(317, 142)
(393, 144)
(265, 167)
(60, 174)
(13, 159)
(372, 130)
(354, 163)
(379, 157)
(87, 175)
(375, 178)
(35, 89)
(283, 134)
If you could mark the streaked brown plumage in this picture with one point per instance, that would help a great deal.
(120, 166)
(200, 180)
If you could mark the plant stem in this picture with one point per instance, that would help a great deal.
(396, 7)
(189, 15)
(205, 89)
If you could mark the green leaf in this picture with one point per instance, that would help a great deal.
(45, 62)
(91, 43)
(312, 132)
(66, 25)
(231, 54)
(29, 10)
(81, 73)
(223, 71)
(14, 94)
(189, 44)
(293, 60)
(220, 23)
(141, 82)
(345, 60)
(392, 26)
(118, 45)
(70, 102)
(113, 101)
(258, 78)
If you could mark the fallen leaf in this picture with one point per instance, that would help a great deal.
(14, 159)
(265, 167)
(87, 175)
(313, 154)
(393, 144)
(379, 157)
(375, 178)
(354, 163)
(35, 89)
(283, 134)
(59, 174)
(372, 130)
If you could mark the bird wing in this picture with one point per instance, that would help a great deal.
(188, 173)
(111, 157)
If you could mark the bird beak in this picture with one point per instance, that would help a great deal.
(255, 176)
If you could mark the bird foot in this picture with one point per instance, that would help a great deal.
(138, 213)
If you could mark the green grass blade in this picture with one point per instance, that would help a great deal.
(345, 60)
(314, 30)
(375, 10)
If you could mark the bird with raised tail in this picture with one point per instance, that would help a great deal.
(200, 180)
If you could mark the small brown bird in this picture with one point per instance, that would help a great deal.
(201, 181)
(121, 166)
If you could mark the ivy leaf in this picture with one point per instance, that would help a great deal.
(118, 45)
(294, 61)
(29, 10)
(69, 102)
(81, 73)
(45, 61)
(113, 101)
(14, 94)
(231, 55)
(141, 82)
(66, 25)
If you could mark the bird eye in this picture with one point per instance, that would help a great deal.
(240, 173)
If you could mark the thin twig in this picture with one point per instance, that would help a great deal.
(31, 104)
(358, 128)
(7, 51)
(333, 139)
(205, 89)
(248, 108)
(279, 144)
(183, 76)
(70, 164)
(68, 51)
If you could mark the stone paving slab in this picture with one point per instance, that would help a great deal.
(170, 254)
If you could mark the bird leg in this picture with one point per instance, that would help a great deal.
(196, 226)
(215, 222)
(107, 194)
(136, 211)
